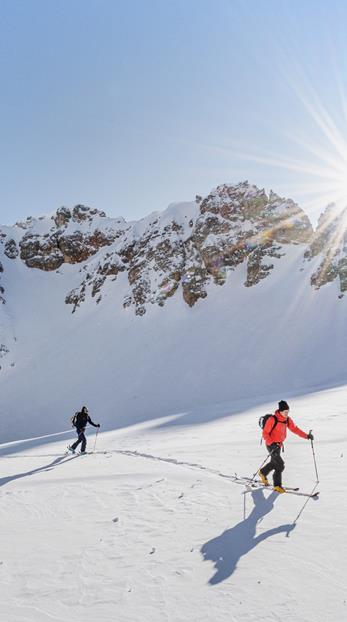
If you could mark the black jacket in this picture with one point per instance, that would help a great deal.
(82, 419)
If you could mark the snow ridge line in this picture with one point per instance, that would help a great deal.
(33, 438)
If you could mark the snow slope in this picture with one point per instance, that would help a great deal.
(241, 319)
(280, 337)
(151, 531)
(154, 529)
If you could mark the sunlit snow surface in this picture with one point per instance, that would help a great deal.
(149, 530)
(275, 340)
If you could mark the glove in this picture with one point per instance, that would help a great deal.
(310, 436)
(98, 425)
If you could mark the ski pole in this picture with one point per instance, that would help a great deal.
(314, 460)
(96, 436)
(301, 511)
(262, 464)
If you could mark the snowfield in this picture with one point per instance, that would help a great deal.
(147, 529)
(151, 526)
(280, 337)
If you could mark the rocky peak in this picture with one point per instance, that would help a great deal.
(182, 250)
(79, 214)
(240, 201)
(152, 254)
(68, 236)
(232, 225)
(2, 289)
(329, 243)
(62, 217)
(242, 223)
(247, 207)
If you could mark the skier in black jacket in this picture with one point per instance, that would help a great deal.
(79, 421)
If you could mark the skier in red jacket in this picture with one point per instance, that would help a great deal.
(274, 434)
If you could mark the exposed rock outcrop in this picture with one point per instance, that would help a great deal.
(2, 290)
(232, 225)
(329, 243)
(78, 247)
(242, 224)
(11, 251)
(94, 280)
(41, 252)
(184, 250)
(65, 242)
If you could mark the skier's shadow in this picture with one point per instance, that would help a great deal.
(46, 467)
(226, 550)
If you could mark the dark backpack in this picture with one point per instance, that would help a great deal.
(263, 420)
(74, 420)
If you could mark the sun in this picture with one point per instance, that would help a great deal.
(316, 176)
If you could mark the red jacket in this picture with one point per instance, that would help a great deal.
(279, 432)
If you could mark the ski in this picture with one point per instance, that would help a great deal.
(250, 481)
(288, 491)
(68, 452)
(256, 484)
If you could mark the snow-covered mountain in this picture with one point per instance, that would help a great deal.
(178, 332)
(229, 297)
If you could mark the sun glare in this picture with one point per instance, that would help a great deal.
(316, 176)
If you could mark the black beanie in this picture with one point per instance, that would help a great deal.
(282, 405)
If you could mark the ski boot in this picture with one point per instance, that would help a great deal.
(279, 489)
(70, 449)
(264, 479)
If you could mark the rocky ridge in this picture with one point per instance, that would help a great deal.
(184, 249)
(4, 350)
(330, 244)
(2, 289)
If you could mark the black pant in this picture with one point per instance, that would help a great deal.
(81, 439)
(276, 464)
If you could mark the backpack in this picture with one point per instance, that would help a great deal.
(263, 419)
(74, 420)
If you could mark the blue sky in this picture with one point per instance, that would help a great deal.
(128, 105)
